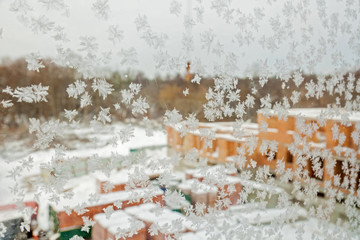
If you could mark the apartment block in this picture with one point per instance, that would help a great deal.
(310, 141)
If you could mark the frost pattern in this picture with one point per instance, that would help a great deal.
(299, 37)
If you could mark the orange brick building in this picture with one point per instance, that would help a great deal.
(317, 138)
(223, 147)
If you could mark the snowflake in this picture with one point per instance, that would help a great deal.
(104, 115)
(188, 43)
(141, 23)
(80, 209)
(298, 78)
(207, 38)
(126, 134)
(104, 88)
(172, 117)
(266, 102)
(101, 9)
(85, 100)
(200, 208)
(335, 132)
(46, 133)
(118, 204)
(76, 89)
(20, 6)
(186, 92)
(192, 122)
(56, 5)
(70, 114)
(188, 22)
(240, 110)
(117, 106)
(295, 97)
(115, 34)
(6, 103)
(196, 79)
(87, 224)
(60, 35)
(34, 93)
(208, 135)
(135, 88)
(175, 7)
(154, 229)
(231, 63)
(227, 110)
(253, 163)
(41, 24)
(34, 62)
(250, 101)
(218, 50)
(140, 106)
(127, 96)
(311, 89)
(8, 90)
(128, 57)
(88, 44)
(34, 125)
(94, 198)
(251, 144)
(3, 229)
(108, 211)
(233, 96)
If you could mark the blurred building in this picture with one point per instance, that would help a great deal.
(314, 131)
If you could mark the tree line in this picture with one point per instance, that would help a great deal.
(162, 93)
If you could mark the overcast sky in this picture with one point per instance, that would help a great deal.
(19, 40)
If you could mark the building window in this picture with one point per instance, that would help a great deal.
(289, 157)
(271, 155)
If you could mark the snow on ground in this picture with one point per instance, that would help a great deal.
(82, 142)
(85, 141)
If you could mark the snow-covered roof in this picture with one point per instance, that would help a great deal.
(267, 215)
(221, 126)
(140, 208)
(10, 214)
(313, 113)
(261, 186)
(116, 177)
(230, 137)
(87, 186)
(116, 217)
